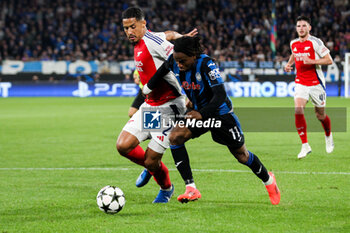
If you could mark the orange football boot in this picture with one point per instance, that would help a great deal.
(274, 192)
(191, 194)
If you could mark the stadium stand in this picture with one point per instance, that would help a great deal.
(231, 29)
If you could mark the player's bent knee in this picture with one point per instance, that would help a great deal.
(122, 148)
(241, 154)
(152, 165)
(126, 142)
(179, 136)
(175, 139)
(299, 110)
(242, 158)
(320, 117)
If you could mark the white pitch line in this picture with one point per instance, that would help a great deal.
(170, 169)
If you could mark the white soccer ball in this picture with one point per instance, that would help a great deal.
(110, 199)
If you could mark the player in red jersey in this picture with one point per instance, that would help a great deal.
(150, 51)
(308, 54)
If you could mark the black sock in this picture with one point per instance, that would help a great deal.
(182, 162)
(257, 167)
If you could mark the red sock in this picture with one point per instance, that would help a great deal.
(300, 124)
(161, 176)
(137, 155)
(326, 123)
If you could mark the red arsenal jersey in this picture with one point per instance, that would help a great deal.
(149, 54)
(308, 75)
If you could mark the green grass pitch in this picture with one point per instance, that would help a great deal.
(56, 154)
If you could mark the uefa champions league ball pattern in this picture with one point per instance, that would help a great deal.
(110, 199)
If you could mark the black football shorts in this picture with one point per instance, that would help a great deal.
(229, 133)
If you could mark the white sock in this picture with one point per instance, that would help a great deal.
(269, 181)
(193, 185)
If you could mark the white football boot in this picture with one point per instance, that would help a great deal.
(329, 143)
(305, 149)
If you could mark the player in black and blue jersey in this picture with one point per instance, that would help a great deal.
(212, 111)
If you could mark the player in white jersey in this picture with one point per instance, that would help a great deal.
(308, 54)
(150, 51)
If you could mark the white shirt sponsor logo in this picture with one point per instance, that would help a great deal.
(139, 65)
(214, 74)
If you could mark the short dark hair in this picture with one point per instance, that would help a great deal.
(304, 18)
(133, 12)
(190, 46)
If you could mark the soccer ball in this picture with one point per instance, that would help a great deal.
(110, 199)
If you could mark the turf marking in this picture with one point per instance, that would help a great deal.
(170, 169)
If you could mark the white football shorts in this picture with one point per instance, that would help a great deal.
(159, 140)
(316, 93)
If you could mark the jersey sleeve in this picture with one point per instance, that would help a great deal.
(161, 35)
(167, 47)
(320, 48)
(212, 73)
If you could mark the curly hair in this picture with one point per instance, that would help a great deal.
(190, 46)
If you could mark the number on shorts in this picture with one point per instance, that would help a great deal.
(235, 131)
(322, 97)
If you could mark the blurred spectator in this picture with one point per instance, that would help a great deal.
(52, 80)
(231, 29)
(35, 78)
(96, 77)
(128, 79)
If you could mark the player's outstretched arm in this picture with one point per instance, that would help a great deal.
(192, 33)
(172, 35)
(288, 67)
